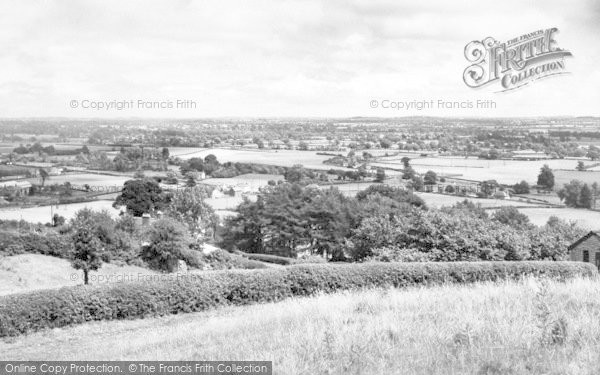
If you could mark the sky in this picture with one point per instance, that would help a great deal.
(259, 58)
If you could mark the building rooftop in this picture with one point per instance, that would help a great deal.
(15, 184)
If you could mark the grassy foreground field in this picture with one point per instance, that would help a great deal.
(485, 328)
(27, 272)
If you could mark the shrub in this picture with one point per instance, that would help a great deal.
(23, 313)
(167, 238)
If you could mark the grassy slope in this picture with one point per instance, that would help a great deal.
(21, 273)
(482, 328)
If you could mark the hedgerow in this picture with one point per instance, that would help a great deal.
(269, 258)
(218, 260)
(15, 243)
(23, 313)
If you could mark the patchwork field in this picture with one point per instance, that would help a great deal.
(564, 177)
(503, 171)
(285, 158)
(527, 327)
(584, 218)
(43, 214)
(440, 200)
(96, 181)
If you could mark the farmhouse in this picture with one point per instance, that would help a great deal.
(586, 249)
(19, 188)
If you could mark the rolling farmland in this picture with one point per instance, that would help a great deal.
(503, 171)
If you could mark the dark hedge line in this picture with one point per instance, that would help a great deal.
(29, 312)
(15, 243)
(268, 258)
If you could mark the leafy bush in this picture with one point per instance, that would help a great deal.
(23, 313)
(394, 193)
(167, 238)
(459, 234)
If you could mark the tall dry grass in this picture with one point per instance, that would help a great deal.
(539, 327)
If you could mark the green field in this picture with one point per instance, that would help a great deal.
(564, 177)
(27, 272)
(584, 218)
(43, 214)
(285, 158)
(96, 181)
(503, 171)
(485, 328)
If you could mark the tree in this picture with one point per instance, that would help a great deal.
(417, 183)
(100, 223)
(127, 224)
(405, 162)
(167, 240)
(580, 166)
(430, 178)
(469, 207)
(488, 187)
(141, 196)
(408, 173)
(211, 164)
(86, 255)
(551, 242)
(585, 197)
(362, 171)
(294, 174)
(289, 217)
(593, 153)
(546, 177)
(57, 220)
(437, 236)
(190, 179)
(394, 193)
(139, 174)
(44, 175)
(521, 188)
(189, 206)
(570, 193)
(385, 143)
(380, 175)
(303, 146)
(512, 217)
(577, 194)
(193, 164)
(165, 153)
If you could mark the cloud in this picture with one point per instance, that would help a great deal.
(285, 58)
